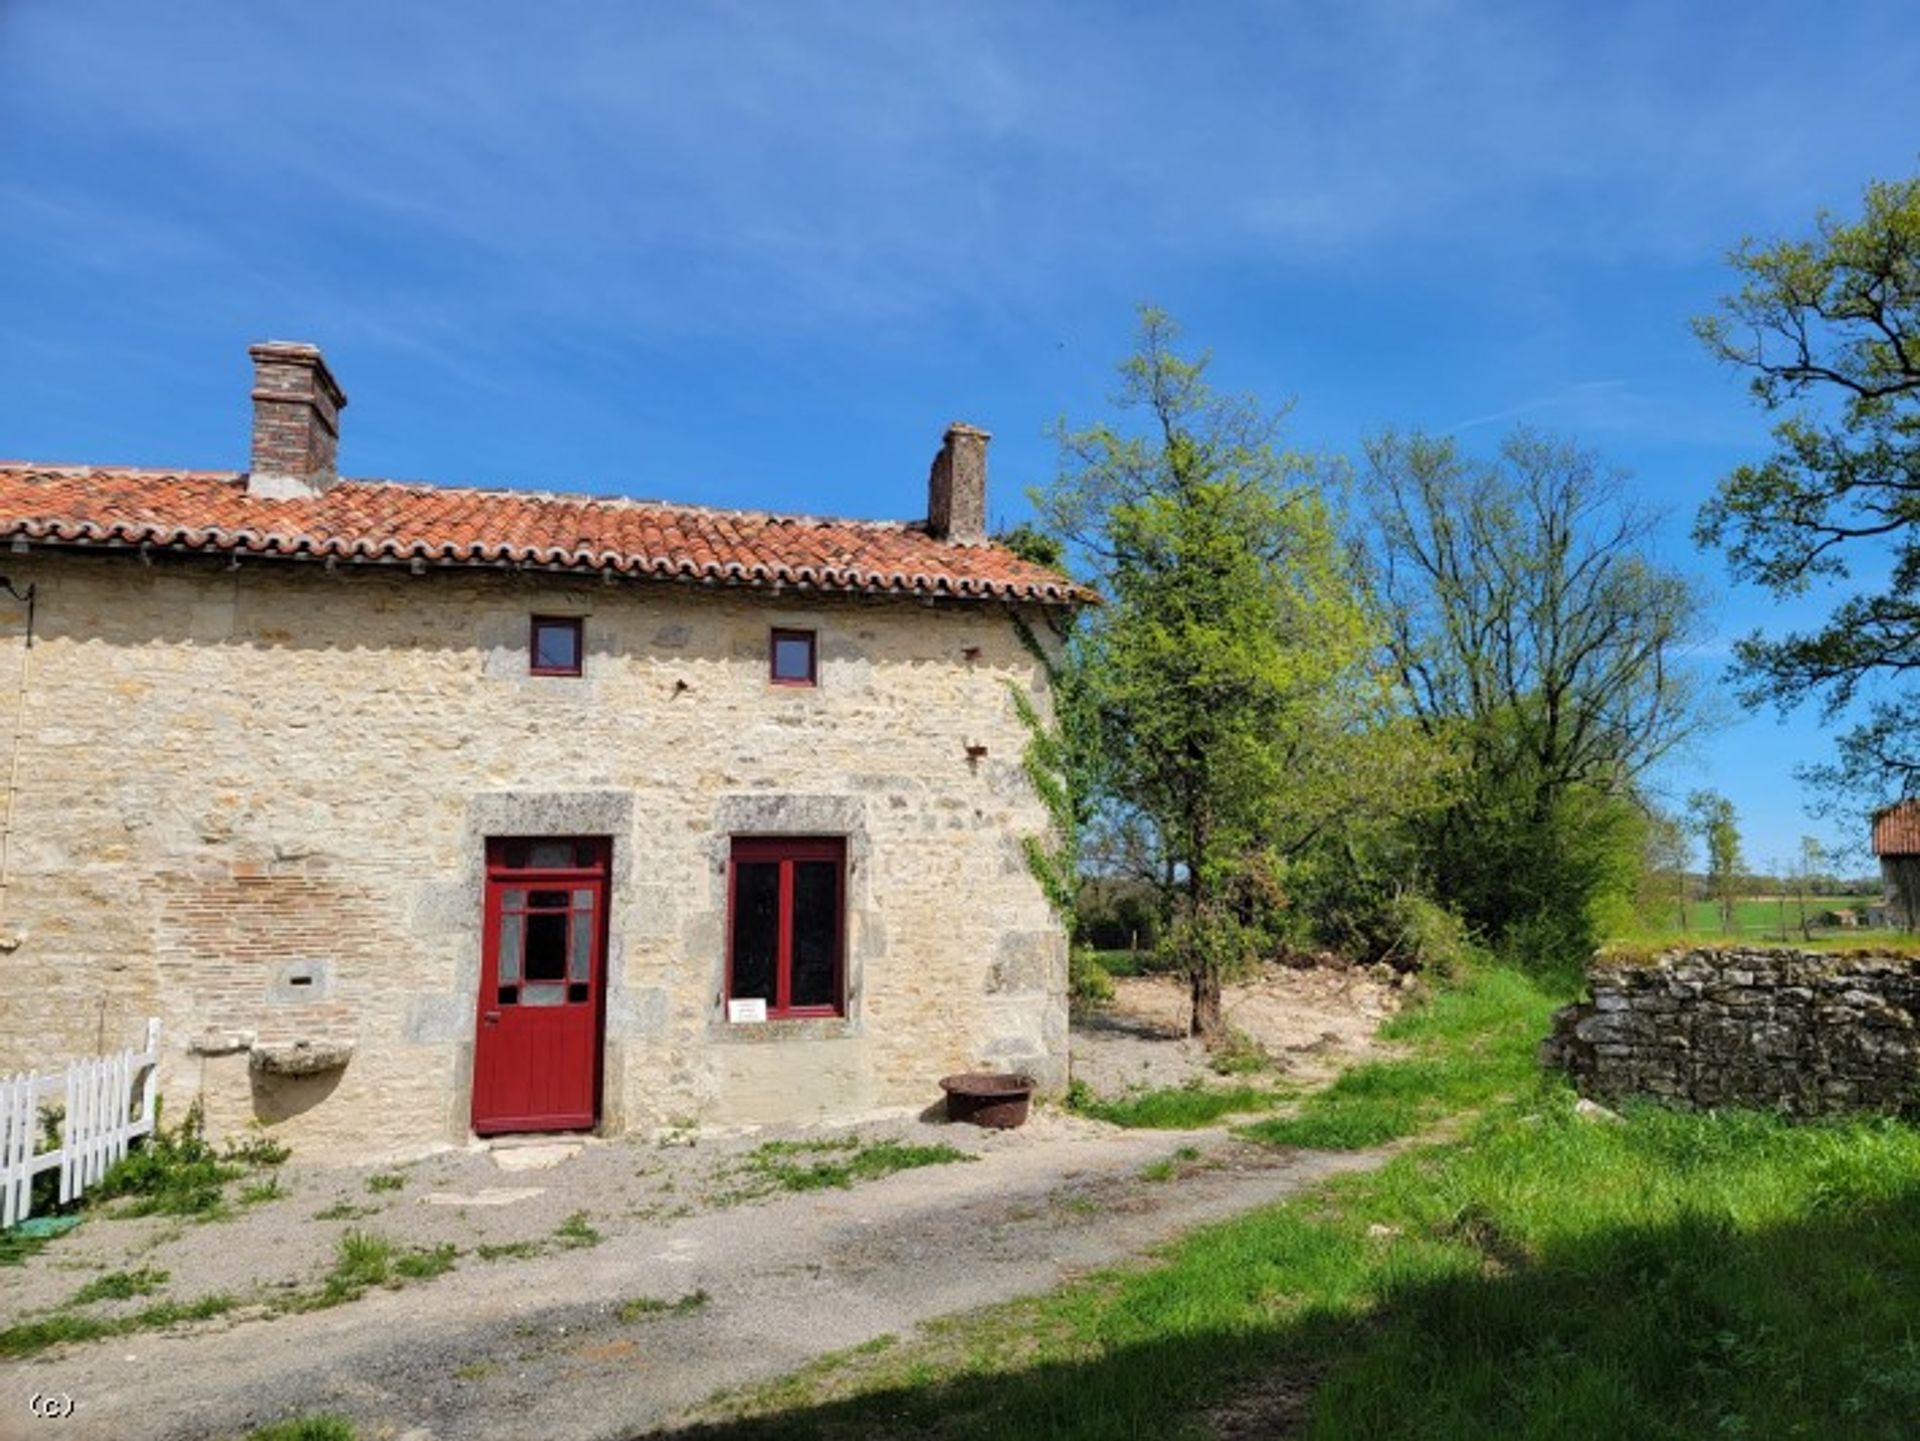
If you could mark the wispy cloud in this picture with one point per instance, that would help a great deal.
(1582, 404)
(726, 168)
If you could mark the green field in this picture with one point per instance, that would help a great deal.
(1764, 918)
(1526, 1274)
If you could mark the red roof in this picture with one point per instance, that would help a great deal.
(374, 521)
(1896, 830)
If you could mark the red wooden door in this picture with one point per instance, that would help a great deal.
(536, 1054)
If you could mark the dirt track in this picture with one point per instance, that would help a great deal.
(537, 1350)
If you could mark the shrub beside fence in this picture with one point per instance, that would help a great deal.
(106, 1101)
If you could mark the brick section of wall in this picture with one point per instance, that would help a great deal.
(260, 948)
(225, 773)
(1803, 1032)
(296, 415)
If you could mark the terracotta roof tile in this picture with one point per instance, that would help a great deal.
(1896, 830)
(382, 521)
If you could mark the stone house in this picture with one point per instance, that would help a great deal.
(418, 812)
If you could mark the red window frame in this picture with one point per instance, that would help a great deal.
(786, 850)
(812, 638)
(574, 623)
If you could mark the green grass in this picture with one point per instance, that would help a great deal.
(345, 1211)
(427, 1262)
(835, 1164)
(1471, 1046)
(508, 1251)
(1758, 918)
(120, 1286)
(1541, 1276)
(267, 1188)
(1130, 963)
(641, 1308)
(362, 1259)
(16, 1248)
(1180, 1108)
(574, 1233)
(365, 1259)
(306, 1428)
(64, 1327)
(176, 1171)
(386, 1181)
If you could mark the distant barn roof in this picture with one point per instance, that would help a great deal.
(372, 521)
(1896, 830)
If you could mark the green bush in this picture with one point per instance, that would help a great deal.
(1425, 936)
(178, 1172)
(1087, 980)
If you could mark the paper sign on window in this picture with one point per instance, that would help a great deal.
(753, 1010)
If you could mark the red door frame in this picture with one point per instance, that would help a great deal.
(498, 1072)
(786, 850)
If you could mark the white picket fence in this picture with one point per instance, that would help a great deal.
(98, 1123)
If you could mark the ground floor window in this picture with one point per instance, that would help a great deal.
(786, 924)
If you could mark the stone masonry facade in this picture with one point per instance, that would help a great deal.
(1804, 1032)
(254, 800)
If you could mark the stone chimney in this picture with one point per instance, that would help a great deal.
(296, 421)
(957, 487)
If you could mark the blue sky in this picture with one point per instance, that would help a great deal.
(759, 255)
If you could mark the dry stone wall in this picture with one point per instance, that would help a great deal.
(1804, 1032)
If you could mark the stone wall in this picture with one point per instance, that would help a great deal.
(1804, 1032)
(253, 801)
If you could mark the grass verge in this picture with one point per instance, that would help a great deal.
(1542, 1276)
(1177, 1108)
(1472, 1044)
(61, 1327)
(833, 1163)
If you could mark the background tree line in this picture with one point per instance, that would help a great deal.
(1394, 706)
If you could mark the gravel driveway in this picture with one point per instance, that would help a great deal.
(616, 1338)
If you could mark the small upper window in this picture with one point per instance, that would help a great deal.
(793, 658)
(556, 645)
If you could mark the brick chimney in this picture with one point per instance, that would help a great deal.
(296, 421)
(957, 487)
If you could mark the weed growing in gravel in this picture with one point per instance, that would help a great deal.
(1239, 1055)
(178, 1172)
(641, 1307)
(15, 1248)
(386, 1181)
(120, 1286)
(63, 1327)
(574, 1232)
(425, 1264)
(508, 1251)
(307, 1428)
(1166, 1170)
(779, 1165)
(363, 1259)
(266, 1189)
(345, 1211)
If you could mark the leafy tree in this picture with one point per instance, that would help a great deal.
(1668, 852)
(1230, 656)
(1810, 865)
(1718, 826)
(1535, 636)
(1828, 328)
